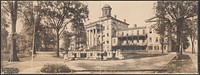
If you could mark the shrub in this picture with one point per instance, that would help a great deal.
(55, 68)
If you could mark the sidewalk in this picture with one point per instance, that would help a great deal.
(194, 58)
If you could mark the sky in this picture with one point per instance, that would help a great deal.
(135, 12)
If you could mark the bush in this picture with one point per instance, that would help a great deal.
(55, 68)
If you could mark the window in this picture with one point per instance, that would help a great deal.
(107, 42)
(137, 32)
(107, 12)
(127, 34)
(155, 48)
(90, 54)
(156, 39)
(143, 31)
(149, 39)
(158, 47)
(122, 33)
(150, 30)
(150, 47)
(132, 32)
(143, 40)
(107, 34)
(107, 27)
(164, 47)
(137, 40)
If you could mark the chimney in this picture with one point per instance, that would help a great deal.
(115, 16)
(125, 20)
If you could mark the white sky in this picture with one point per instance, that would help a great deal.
(135, 12)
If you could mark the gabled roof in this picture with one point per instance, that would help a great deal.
(108, 18)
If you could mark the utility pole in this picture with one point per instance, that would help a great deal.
(34, 26)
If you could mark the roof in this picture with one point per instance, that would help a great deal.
(106, 6)
(108, 18)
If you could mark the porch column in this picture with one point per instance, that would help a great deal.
(87, 38)
(92, 37)
(96, 36)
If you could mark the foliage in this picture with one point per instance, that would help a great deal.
(80, 34)
(41, 21)
(61, 13)
(46, 38)
(172, 18)
(4, 24)
(185, 43)
(55, 68)
(66, 37)
(4, 32)
(12, 8)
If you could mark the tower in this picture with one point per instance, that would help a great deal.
(106, 10)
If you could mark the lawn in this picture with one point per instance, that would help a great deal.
(182, 64)
(135, 63)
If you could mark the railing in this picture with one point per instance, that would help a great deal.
(145, 43)
(131, 35)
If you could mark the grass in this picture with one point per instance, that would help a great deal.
(182, 64)
(138, 55)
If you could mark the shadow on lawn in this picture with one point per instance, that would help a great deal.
(180, 64)
(140, 55)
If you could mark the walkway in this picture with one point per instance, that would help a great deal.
(194, 58)
(43, 58)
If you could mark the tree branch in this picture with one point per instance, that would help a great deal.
(26, 17)
(168, 11)
(5, 8)
(65, 26)
(173, 11)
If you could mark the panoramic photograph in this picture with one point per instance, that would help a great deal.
(99, 37)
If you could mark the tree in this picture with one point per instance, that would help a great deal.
(4, 32)
(192, 31)
(12, 8)
(47, 38)
(80, 35)
(66, 37)
(61, 13)
(32, 16)
(176, 14)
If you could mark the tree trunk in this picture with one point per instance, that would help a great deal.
(57, 37)
(179, 23)
(162, 43)
(181, 48)
(192, 45)
(169, 41)
(13, 54)
(162, 48)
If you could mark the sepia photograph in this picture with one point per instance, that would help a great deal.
(99, 37)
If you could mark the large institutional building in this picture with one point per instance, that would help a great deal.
(110, 36)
